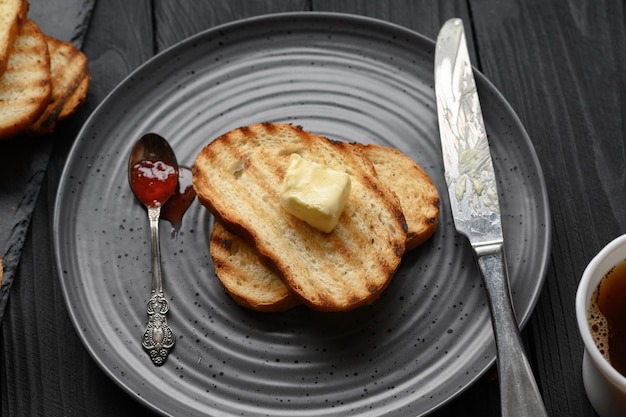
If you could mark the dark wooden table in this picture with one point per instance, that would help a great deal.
(559, 64)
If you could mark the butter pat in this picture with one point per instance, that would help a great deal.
(314, 194)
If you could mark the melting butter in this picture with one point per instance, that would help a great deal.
(314, 194)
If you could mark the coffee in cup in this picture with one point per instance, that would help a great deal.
(605, 385)
(607, 316)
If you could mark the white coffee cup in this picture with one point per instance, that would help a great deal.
(605, 386)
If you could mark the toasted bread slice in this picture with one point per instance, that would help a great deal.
(68, 69)
(254, 286)
(77, 98)
(25, 86)
(417, 193)
(242, 274)
(12, 16)
(237, 177)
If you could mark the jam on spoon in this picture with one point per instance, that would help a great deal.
(153, 177)
(153, 181)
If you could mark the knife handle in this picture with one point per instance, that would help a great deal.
(519, 394)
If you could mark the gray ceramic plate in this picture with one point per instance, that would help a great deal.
(425, 340)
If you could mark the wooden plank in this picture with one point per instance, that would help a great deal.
(173, 25)
(422, 16)
(551, 67)
(67, 21)
(119, 40)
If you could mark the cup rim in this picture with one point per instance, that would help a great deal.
(582, 298)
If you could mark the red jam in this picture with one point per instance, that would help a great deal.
(153, 181)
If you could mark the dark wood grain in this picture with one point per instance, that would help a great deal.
(560, 66)
(173, 24)
(120, 38)
(422, 16)
(67, 20)
(563, 79)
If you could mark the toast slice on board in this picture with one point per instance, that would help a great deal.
(25, 86)
(238, 176)
(252, 285)
(12, 15)
(68, 69)
(77, 98)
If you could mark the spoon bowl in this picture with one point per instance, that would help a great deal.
(153, 178)
(152, 165)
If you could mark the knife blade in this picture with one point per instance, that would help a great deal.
(475, 207)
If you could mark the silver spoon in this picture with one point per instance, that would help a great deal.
(153, 177)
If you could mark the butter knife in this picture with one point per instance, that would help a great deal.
(475, 208)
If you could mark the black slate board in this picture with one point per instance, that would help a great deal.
(23, 163)
(23, 160)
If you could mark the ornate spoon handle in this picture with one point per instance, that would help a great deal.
(158, 338)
